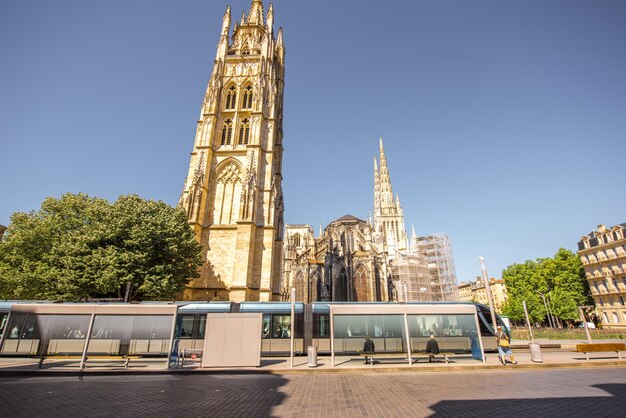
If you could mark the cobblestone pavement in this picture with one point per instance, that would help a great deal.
(510, 393)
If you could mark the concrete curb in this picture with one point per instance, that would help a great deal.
(338, 370)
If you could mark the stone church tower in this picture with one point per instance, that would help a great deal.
(388, 215)
(233, 193)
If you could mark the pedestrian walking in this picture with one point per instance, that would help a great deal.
(504, 347)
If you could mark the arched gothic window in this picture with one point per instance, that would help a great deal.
(227, 195)
(361, 286)
(244, 132)
(231, 98)
(227, 131)
(247, 98)
(300, 288)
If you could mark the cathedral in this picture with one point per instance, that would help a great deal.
(351, 259)
(233, 191)
(233, 197)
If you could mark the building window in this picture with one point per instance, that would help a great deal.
(596, 286)
(244, 132)
(615, 317)
(227, 131)
(231, 98)
(600, 301)
(621, 300)
(247, 98)
(606, 317)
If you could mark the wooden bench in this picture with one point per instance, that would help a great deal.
(446, 356)
(384, 355)
(403, 356)
(600, 348)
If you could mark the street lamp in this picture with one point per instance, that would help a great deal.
(483, 269)
(555, 319)
(547, 310)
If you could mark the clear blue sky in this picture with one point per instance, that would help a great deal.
(504, 121)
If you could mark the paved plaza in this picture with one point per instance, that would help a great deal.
(510, 392)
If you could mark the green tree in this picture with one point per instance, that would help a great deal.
(561, 278)
(80, 247)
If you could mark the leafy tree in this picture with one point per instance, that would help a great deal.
(80, 247)
(561, 277)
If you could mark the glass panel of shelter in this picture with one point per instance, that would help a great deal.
(454, 333)
(386, 331)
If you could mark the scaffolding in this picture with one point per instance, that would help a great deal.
(437, 250)
(427, 273)
(411, 279)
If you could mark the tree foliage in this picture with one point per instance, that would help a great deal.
(80, 247)
(560, 278)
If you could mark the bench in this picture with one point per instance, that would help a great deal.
(600, 348)
(446, 356)
(125, 359)
(383, 355)
(403, 356)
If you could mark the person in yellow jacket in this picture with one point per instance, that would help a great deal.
(504, 347)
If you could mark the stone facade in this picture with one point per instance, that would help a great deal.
(343, 264)
(233, 193)
(475, 292)
(603, 255)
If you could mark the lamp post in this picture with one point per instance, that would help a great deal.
(483, 269)
(293, 306)
(555, 319)
(547, 310)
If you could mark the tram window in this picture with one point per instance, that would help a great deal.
(201, 326)
(16, 326)
(186, 327)
(393, 326)
(266, 326)
(322, 326)
(3, 321)
(281, 326)
(29, 330)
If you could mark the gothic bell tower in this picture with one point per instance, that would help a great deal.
(233, 193)
(388, 214)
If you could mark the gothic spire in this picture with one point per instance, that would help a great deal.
(255, 16)
(226, 21)
(270, 18)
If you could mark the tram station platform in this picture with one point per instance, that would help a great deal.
(561, 357)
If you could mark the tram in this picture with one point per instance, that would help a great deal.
(34, 334)
(455, 333)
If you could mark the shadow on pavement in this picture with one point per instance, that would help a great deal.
(605, 406)
(132, 396)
